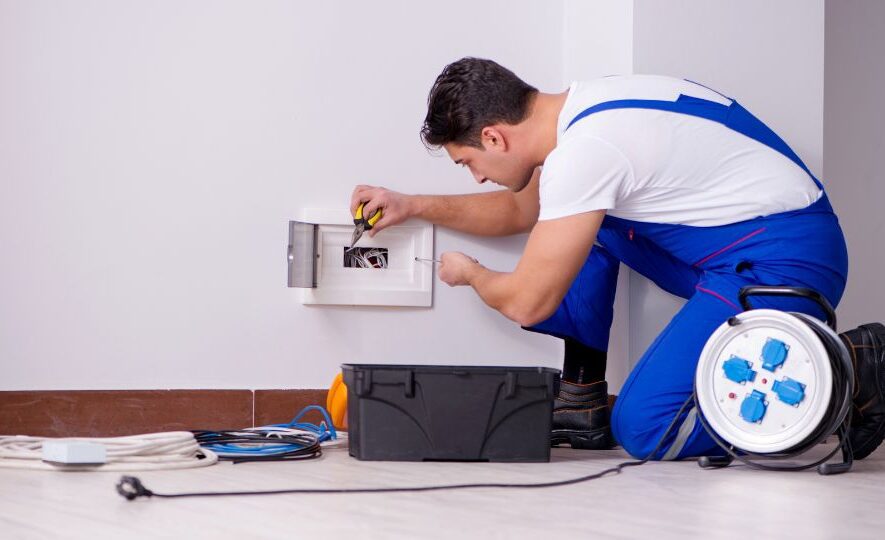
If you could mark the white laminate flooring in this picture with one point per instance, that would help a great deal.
(656, 500)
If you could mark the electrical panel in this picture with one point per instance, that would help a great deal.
(391, 269)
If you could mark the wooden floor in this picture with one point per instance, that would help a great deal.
(656, 500)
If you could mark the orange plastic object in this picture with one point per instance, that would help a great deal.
(336, 402)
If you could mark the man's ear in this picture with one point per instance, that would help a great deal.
(492, 138)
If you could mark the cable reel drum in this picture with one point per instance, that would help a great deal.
(772, 385)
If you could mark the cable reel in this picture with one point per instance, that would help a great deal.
(771, 385)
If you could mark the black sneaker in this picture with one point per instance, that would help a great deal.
(866, 346)
(581, 416)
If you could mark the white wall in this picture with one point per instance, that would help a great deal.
(151, 154)
(767, 55)
(854, 140)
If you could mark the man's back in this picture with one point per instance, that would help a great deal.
(660, 166)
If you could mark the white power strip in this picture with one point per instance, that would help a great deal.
(61, 452)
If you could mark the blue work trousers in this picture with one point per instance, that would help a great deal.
(707, 266)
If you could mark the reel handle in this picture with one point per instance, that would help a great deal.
(798, 292)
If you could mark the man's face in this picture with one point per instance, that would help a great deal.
(494, 163)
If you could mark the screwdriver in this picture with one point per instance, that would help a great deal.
(428, 260)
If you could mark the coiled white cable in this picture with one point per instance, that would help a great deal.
(151, 451)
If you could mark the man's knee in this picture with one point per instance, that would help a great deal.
(634, 429)
(638, 426)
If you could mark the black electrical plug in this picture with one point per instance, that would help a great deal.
(132, 488)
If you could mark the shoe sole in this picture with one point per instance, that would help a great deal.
(600, 439)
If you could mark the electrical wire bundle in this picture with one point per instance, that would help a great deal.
(276, 442)
(152, 451)
(365, 258)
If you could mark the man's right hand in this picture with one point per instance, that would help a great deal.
(396, 207)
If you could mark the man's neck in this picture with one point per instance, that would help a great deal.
(543, 121)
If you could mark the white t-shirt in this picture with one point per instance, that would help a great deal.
(663, 167)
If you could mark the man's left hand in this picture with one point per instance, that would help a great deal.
(456, 268)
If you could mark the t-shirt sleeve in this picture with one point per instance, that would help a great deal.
(582, 174)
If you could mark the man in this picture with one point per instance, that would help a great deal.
(675, 180)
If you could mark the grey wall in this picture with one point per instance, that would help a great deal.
(767, 55)
(854, 145)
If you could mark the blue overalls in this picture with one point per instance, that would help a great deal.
(707, 266)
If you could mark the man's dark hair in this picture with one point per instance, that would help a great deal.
(470, 94)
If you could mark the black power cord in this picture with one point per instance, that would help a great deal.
(131, 487)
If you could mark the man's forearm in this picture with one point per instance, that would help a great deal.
(554, 254)
(500, 291)
(485, 214)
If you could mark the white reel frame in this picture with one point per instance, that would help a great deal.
(764, 380)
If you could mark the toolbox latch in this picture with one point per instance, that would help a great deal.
(363, 383)
(409, 387)
(510, 385)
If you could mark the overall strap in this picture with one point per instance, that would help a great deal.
(732, 116)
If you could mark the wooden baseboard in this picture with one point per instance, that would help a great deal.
(110, 413)
(107, 413)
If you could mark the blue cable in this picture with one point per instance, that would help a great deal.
(325, 431)
(265, 446)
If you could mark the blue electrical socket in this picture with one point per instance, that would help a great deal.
(774, 354)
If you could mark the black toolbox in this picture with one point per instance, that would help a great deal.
(449, 413)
